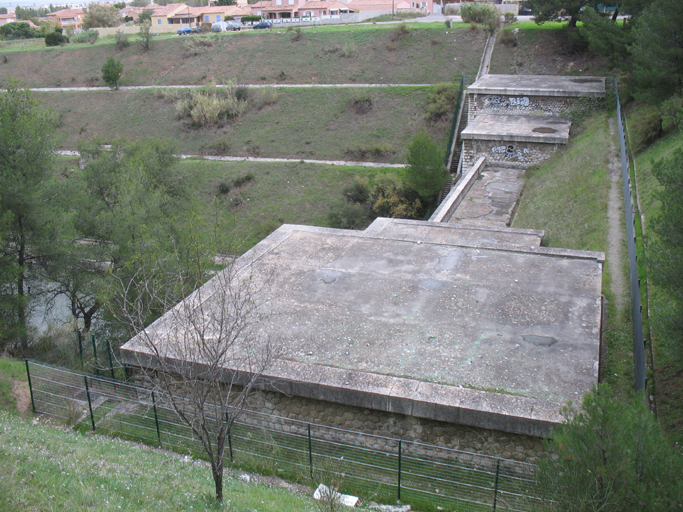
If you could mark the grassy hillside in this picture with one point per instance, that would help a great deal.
(544, 50)
(293, 193)
(303, 123)
(567, 195)
(44, 468)
(668, 375)
(426, 53)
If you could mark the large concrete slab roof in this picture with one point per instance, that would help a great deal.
(540, 85)
(471, 329)
(544, 129)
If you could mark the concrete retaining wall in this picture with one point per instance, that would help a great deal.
(566, 107)
(457, 194)
(518, 155)
(484, 441)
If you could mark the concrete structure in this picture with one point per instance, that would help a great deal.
(533, 95)
(519, 120)
(477, 327)
(513, 141)
(465, 334)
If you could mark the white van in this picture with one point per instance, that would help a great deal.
(224, 26)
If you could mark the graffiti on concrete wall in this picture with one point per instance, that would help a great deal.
(502, 101)
(510, 152)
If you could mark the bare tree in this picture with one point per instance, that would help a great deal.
(204, 355)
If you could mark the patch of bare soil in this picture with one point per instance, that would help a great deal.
(22, 395)
(546, 52)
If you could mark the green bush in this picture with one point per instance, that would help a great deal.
(243, 180)
(111, 72)
(672, 113)
(197, 45)
(265, 96)
(361, 101)
(55, 39)
(441, 101)
(85, 36)
(358, 191)
(646, 128)
(481, 14)
(224, 187)
(348, 216)
(508, 37)
(208, 105)
(121, 40)
(377, 150)
(251, 17)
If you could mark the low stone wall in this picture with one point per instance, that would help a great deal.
(498, 104)
(389, 425)
(517, 155)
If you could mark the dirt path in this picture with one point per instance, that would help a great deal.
(615, 236)
(22, 395)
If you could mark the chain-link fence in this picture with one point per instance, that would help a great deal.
(374, 467)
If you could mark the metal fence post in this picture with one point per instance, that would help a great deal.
(87, 392)
(495, 485)
(80, 345)
(227, 420)
(310, 451)
(94, 351)
(111, 362)
(30, 387)
(156, 418)
(400, 442)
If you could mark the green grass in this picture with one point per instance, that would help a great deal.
(292, 193)
(567, 195)
(315, 123)
(666, 344)
(341, 54)
(10, 370)
(44, 468)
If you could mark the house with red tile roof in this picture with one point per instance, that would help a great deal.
(287, 9)
(319, 8)
(134, 12)
(66, 18)
(165, 15)
(392, 5)
(7, 18)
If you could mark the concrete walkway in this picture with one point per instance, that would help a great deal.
(491, 200)
(255, 86)
(271, 160)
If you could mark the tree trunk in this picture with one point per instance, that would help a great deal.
(21, 303)
(218, 480)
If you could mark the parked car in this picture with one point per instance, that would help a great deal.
(262, 24)
(224, 26)
(184, 31)
(196, 30)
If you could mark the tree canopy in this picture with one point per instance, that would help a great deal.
(27, 144)
(610, 455)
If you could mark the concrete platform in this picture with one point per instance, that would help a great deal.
(492, 199)
(540, 85)
(473, 331)
(534, 129)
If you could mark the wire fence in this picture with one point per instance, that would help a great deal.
(374, 467)
(87, 354)
(629, 212)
